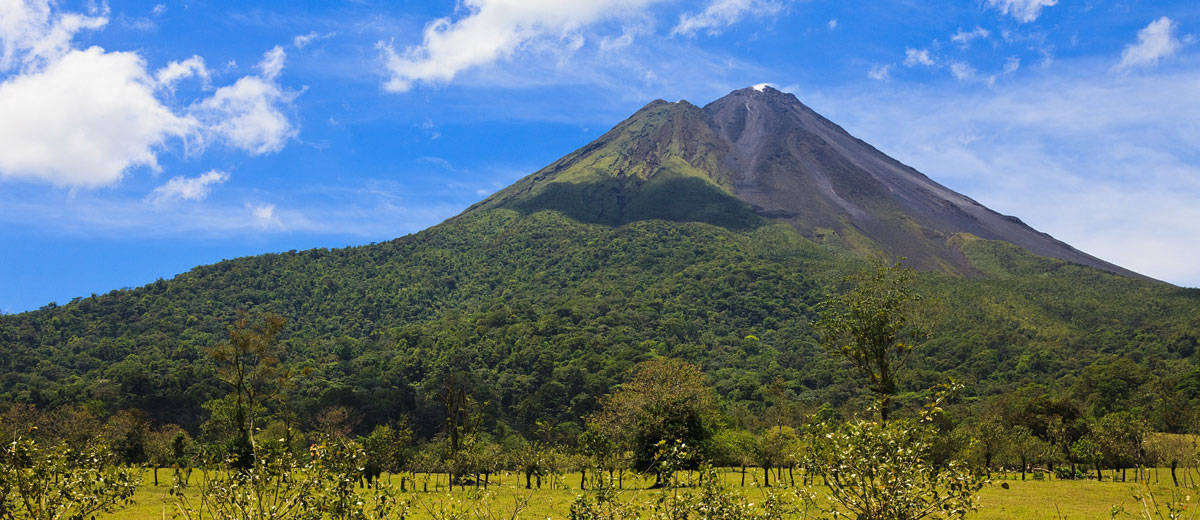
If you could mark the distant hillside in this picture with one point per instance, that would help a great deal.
(546, 313)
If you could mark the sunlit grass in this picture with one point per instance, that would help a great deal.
(1029, 499)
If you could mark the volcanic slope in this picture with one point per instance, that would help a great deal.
(760, 154)
(686, 232)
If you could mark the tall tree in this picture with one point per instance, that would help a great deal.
(249, 362)
(667, 400)
(875, 326)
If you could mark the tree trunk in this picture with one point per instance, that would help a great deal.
(583, 478)
(1173, 477)
(791, 477)
(766, 476)
(743, 475)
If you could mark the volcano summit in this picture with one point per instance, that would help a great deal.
(757, 155)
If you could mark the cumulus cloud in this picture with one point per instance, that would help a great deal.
(176, 71)
(832, 24)
(82, 118)
(914, 57)
(1024, 11)
(1155, 41)
(247, 114)
(723, 13)
(32, 34)
(188, 188)
(492, 30)
(964, 38)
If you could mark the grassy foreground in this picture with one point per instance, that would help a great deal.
(1030, 499)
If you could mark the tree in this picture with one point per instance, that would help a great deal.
(874, 325)
(777, 448)
(667, 400)
(1171, 450)
(60, 483)
(279, 486)
(165, 447)
(990, 441)
(127, 431)
(735, 448)
(249, 362)
(1086, 451)
(1026, 447)
(1121, 437)
(386, 450)
(883, 471)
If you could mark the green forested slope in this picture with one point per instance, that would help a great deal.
(542, 315)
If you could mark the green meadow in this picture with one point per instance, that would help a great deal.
(1020, 500)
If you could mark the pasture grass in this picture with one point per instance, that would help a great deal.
(1023, 500)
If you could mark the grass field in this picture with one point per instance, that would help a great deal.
(1030, 499)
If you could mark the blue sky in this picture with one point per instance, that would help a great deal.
(139, 139)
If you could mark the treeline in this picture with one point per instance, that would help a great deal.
(922, 455)
(537, 315)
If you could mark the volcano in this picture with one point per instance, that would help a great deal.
(710, 234)
(759, 155)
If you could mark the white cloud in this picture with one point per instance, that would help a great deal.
(82, 118)
(175, 71)
(303, 40)
(1155, 41)
(832, 24)
(492, 30)
(1023, 10)
(965, 38)
(1011, 65)
(962, 71)
(248, 114)
(914, 57)
(188, 188)
(880, 72)
(159, 9)
(263, 215)
(723, 13)
(32, 35)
